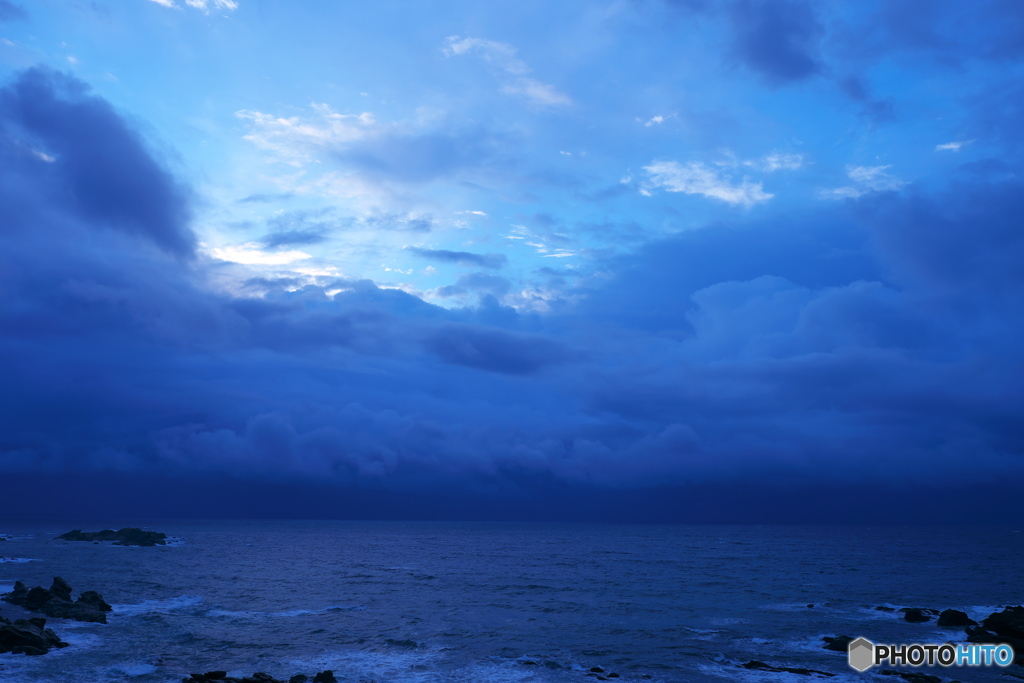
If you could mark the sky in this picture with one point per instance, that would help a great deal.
(634, 260)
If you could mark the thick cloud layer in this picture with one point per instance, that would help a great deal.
(869, 342)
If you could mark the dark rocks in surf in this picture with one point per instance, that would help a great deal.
(27, 636)
(761, 666)
(126, 536)
(1002, 627)
(954, 618)
(259, 677)
(883, 608)
(837, 644)
(916, 615)
(55, 602)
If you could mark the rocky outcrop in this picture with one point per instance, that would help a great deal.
(27, 636)
(955, 618)
(126, 536)
(1002, 627)
(55, 602)
(259, 677)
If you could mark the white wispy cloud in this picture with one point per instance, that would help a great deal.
(203, 5)
(698, 178)
(777, 162)
(516, 72)
(297, 140)
(952, 146)
(866, 179)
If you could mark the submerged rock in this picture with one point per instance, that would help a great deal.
(125, 536)
(837, 644)
(915, 615)
(27, 636)
(55, 602)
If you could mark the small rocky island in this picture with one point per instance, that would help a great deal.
(56, 602)
(126, 536)
(27, 637)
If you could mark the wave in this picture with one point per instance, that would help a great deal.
(251, 614)
(157, 606)
(18, 559)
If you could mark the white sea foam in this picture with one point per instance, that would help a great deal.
(4, 560)
(157, 606)
(133, 669)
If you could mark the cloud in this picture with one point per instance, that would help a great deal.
(867, 179)
(11, 12)
(494, 350)
(372, 155)
(463, 258)
(94, 156)
(777, 162)
(955, 146)
(698, 178)
(832, 345)
(202, 5)
(503, 57)
(778, 39)
(253, 253)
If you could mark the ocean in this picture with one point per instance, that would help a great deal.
(503, 602)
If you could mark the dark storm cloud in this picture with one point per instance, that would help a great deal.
(848, 346)
(777, 38)
(463, 258)
(11, 12)
(494, 350)
(90, 154)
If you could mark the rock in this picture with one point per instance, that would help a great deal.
(95, 600)
(298, 678)
(61, 589)
(761, 666)
(954, 617)
(27, 636)
(56, 602)
(596, 670)
(1009, 622)
(125, 536)
(837, 644)
(1002, 627)
(912, 676)
(259, 677)
(915, 615)
(325, 677)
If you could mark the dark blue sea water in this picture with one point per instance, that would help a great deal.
(468, 602)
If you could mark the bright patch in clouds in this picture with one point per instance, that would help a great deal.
(252, 254)
(204, 5)
(697, 178)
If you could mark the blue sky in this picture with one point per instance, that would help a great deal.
(496, 248)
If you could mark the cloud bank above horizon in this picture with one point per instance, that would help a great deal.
(489, 260)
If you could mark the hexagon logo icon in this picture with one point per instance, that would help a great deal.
(861, 654)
